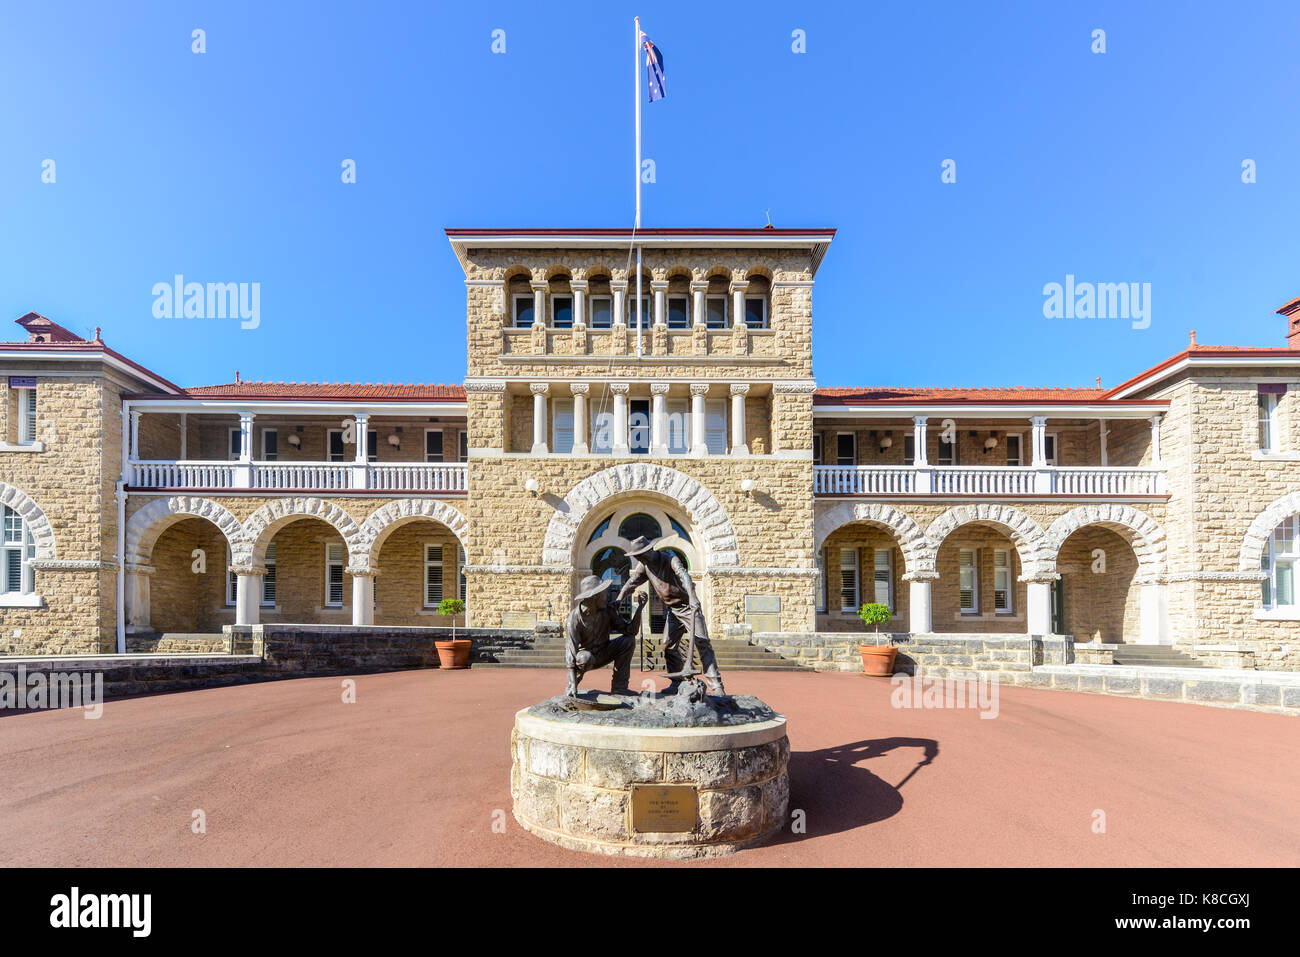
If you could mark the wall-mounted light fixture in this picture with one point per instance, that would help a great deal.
(991, 442)
(394, 441)
(747, 486)
(886, 442)
(532, 486)
(295, 441)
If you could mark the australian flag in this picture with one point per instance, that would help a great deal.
(654, 70)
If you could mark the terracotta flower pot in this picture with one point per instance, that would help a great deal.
(878, 660)
(453, 654)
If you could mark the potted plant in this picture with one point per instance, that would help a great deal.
(877, 659)
(454, 653)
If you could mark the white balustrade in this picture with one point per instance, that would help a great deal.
(417, 477)
(183, 474)
(302, 476)
(958, 480)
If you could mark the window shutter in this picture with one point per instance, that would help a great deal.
(334, 568)
(848, 579)
(966, 582)
(562, 431)
(715, 426)
(1001, 580)
(432, 575)
(268, 579)
(29, 418)
(884, 577)
(679, 426)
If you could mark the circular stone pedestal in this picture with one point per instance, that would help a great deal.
(654, 776)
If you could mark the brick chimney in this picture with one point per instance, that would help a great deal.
(1292, 312)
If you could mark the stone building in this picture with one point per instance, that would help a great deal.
(1165, 510)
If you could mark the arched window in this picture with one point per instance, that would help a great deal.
(17, 550)
(640, 524)
(611, 564)
(601, 529)
(1278, 562)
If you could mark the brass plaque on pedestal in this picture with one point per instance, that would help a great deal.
(664, 808)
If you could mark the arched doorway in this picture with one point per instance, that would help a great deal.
(604, 552)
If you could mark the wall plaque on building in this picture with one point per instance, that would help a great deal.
(763, 612)
(22, 382)
(665, 808)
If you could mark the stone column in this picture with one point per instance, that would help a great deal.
(738, 392)
(1155, 441)
(699, 432)
(698, 288)
(1038, 613)
(539, 390)
(539, 304)
(738, 303)
(619, 290)
(920, 606)
(658, 418)
(579, 287)
(579, 390)
(1153, 605)
(660, 289)
(363, 596)
(619, 443)
(248, 594)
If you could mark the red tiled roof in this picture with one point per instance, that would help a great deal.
(1199, 351)
(900, 395)
(330, 390)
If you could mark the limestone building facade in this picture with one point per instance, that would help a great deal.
(1164, 510)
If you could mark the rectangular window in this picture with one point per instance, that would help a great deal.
(715, 312)
(562, 427)
(679, 312)
(432, 575)
(26, 416)
(523, 311)
(947, 451)
(1268, 420)
(909, 449)
(968, 582)
(756, 312)
(817, 448)
(602, 312)
(1013, 449)
(270, 445)
(1278, 562)
(821, 580)
(335, 444)
(846, 448)
(638, 426)
(715, 426)
(562, 312)
(1049, 449)
(679, 426)
(1002, 590)
(884, 578)
(334, 575)
(17, 551)
(464, 445)
(372, 445)
(433, 445)
(602, 432)
(460, 570)
(848, 579)
(268, 579)
(647, 311)
(235, 445)
(232, 582)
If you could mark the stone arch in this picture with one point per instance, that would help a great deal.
(262, 525)
(707, 514)
(1138, 529)
(918, 552)
(760, 271)
(144, 527)
(385, 520)
(1028, 536)
(34, 519)
(1256, 538)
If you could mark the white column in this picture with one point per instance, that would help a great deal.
(579, 287)
(579, 390)
(918, 441)
(1039, 608)
(363, 598)
(1153, 610)
(738, 393)
(1038, 435)
(620, 418)
(698, 289)
(361, 428)
(1105, 458)
(738, 303)
(699, 441)
(538, 390)
(619, 290)
(184, 437)
(919, 604)
(539, 304)
(658, 418)
(248, 598)
(135, 436)
(660, 289)
(244, 471)
(1155, 441)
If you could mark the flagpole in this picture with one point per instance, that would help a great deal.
(636, 69)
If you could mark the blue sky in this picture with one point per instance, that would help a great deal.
(225, 167)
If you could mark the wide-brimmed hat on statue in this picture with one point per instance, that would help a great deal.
(590, 587)
(639, 546)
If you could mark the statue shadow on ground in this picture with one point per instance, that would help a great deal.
(838, 795)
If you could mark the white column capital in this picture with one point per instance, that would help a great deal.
(699, 285)
(920, 420)
(659, 388)
(579, 285)
(659, 285)
(539, 388)
(740, 388)
(618, 285)
(699, 388)
(579, 388)
(618, 388)
(738, 285)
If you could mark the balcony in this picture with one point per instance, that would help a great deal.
(410, 477)
(960, 481)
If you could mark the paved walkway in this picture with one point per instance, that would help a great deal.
(411, 774)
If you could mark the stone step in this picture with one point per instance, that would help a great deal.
(1154, 656)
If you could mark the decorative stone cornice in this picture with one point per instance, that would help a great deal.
(1241, 576)
(246, 569)
(794, 388)
(53, 565)
(764, 572)
(518, 569)
(485, 385)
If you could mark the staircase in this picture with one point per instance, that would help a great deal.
(1154, 656)
(733, 654)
